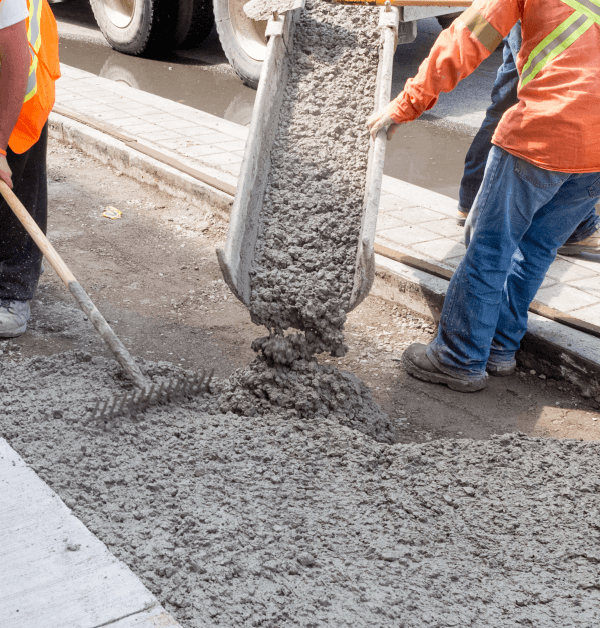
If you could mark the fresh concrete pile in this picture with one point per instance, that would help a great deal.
(308, 237)
(275, 521)
(305, 390)
(305, 257)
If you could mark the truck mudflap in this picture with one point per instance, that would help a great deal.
(236, 257)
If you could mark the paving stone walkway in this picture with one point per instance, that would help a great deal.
(412, 220)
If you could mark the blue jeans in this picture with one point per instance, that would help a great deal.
(525, 214)
(504, 96)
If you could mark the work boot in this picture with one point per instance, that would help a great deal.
(589, 245)
(461, 216)
(503, 369)
(417, 363)
(13, 317)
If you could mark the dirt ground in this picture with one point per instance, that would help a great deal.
(154, 275)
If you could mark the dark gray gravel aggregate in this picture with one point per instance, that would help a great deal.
(277, 521)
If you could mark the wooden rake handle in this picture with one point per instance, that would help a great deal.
(121, 354)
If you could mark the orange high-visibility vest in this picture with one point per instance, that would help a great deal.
(43, 72)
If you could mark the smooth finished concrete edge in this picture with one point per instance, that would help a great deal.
(549, 346)
(131, 162)
(56, 573)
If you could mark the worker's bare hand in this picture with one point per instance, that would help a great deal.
(382, 120)
(5, 171)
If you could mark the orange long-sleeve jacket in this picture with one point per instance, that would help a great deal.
(556, 123)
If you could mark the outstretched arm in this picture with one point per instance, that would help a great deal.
(457, 52)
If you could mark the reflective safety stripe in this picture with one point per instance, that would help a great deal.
(485, 33)
(35, 41)
(586, 14)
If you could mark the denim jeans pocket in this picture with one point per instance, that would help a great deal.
(594, 189)
(539, 177)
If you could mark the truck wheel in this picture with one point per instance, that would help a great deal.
(153, 27)
(138, 27)
(242, 39)
(445, 20)
(194, 24)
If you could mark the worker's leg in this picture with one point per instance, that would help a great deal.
(573, 204)
(472, 305)
(504, 96)
(20, 258)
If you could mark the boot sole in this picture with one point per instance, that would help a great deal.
(13, 334)
(441, 378)
(501, 373)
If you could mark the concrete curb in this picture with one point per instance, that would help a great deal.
(548, 346)
(117, 154)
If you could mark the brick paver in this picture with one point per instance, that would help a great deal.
(412, 220)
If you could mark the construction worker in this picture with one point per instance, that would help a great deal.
(28, 69)
(586, 238)
(541, 181)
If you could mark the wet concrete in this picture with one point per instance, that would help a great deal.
(423, 153)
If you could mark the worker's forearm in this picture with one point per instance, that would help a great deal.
(15, 60)
(457, 52)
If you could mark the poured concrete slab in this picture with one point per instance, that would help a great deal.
(55, 573)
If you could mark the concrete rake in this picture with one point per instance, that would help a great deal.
(177, 387)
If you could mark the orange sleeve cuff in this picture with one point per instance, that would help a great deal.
(401, 109)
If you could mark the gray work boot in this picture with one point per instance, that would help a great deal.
(13, 317)
(589, 245)
(416, 362)
(502, 369)
(461, 216)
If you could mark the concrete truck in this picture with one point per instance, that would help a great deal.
(153, 28)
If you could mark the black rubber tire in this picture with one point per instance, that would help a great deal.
(245, 67)
(194, 24)
(151, 32)
(445, 20)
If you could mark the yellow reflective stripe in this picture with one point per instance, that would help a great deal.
(34, 36)
(35, 25)
(586, 14)
(589, 9)
(485, 33)
(560, 45)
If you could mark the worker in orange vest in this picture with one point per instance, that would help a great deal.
(542, 177)
(28, 69)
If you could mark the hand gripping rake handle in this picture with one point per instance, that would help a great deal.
(121, 354)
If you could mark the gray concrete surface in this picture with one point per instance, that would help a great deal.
(55, 572)
(281, 521)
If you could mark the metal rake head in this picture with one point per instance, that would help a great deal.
(183, 385)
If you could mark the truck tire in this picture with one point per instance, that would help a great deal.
(138, 27)
(153, 28)
(445, 20)
(242, 39)
(194, 24)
